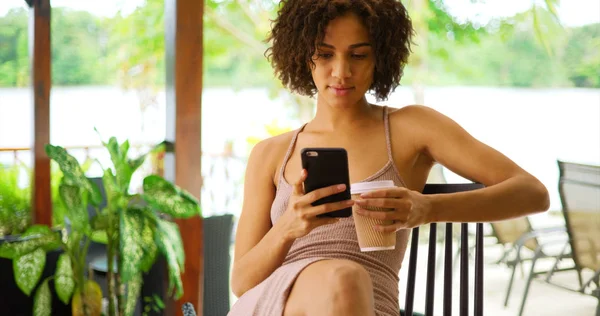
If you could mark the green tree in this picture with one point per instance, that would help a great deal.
(582, 56)
(14, 63)
(78, 50)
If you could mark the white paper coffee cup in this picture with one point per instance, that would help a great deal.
(370, 239)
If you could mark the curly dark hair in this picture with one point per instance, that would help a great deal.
(300, 24)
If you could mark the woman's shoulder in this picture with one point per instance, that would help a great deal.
(411, 111)
(270, 151)
(274, 144)
(414, 116)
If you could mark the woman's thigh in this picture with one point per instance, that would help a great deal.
(330, 287)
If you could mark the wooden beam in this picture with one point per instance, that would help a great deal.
(183, 20)
(40, 56)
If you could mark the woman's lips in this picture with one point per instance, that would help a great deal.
(341, 91)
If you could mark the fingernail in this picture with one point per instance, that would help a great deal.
(360, 202)
(365, 195)
(341, 187)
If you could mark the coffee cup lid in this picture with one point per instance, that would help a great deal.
(363, 187)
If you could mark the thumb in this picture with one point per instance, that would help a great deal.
(299, 184)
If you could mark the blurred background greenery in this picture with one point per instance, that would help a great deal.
(96, 50)
(108, 71)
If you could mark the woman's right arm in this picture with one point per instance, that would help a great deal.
(259, 250)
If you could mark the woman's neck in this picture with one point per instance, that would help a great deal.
(330, 118)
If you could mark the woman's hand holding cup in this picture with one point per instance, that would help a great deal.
(408, 208)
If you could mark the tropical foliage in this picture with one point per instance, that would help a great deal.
(526, 50)
(136, 228)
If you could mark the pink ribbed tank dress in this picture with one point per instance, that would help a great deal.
(336, 241)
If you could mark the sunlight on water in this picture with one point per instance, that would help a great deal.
(534, 127)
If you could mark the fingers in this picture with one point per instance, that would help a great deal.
(396, 221)
(329, 207)
(396, 192)
(323, 192)
(299, 184)
(398, 204)
(391, 228)
(384, 216)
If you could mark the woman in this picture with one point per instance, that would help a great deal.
(290, 262)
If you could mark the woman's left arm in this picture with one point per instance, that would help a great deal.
(509, 190)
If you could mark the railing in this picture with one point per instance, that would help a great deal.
(222, 173)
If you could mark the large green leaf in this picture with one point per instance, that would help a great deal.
(42, 301)
(171, 232)
(134, 287)
(166, 246)
(100, 221)
(50, 240)
(137, 242)
(163, 195)
(73, 174)
(41, 237)
(64, 282)
(131, 226)
(74, 199)
(118, 155)
(148, 245)
(37, 230)
(114, 196)
(134, 164)
(28, 269)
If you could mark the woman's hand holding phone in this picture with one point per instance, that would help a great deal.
(300, 217)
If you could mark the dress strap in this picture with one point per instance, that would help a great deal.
(388, 140)
(386, 124)
(288, 154)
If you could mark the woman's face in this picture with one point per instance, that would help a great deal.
(344, 62)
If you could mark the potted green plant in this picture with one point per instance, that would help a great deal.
(19, 241)
(15, 205)
(136, 227)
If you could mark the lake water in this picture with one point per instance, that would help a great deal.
(534, 127)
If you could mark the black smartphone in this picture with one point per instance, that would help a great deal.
(326, 167)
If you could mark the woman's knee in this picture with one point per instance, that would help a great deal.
(332, 287)
(349, 281)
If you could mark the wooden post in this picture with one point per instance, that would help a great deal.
(183, 20)
(39, 24)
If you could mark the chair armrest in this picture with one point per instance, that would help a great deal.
(537, 233)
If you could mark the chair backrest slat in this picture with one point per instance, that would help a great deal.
(448, 262)
(478, 311)
(464, 269)
(412, 272)
(448, 271)
(430, 289)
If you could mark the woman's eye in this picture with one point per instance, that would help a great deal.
(325, 55)
(359, 56)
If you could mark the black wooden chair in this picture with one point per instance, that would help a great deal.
(448, 254)
(412, 267)
(217, 240)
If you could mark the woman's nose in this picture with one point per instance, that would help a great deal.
(341, 69)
